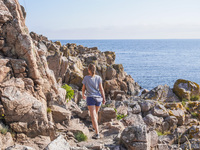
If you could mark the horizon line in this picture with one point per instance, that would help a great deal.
(132, 39)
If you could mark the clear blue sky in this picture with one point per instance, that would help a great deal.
(114, 19)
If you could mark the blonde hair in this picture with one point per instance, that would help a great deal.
(92, 68)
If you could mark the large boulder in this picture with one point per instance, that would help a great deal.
(133, 119)
(107, 114)
(58, 64)
(161, 93)
(60, 114)
(136, 137)
(6, 140)
(185, 89)
(59, 144)
(21, 106)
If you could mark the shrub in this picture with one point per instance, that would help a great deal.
(80, 136)
(119, 116)
(194, 98)
(69, 90)
(3, 129)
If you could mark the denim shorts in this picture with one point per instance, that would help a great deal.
(91, 102)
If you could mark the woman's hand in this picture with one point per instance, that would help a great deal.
(84, 97)
(104, 101)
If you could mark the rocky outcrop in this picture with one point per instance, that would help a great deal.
(188, 90)
(27, 85)
(34, 109)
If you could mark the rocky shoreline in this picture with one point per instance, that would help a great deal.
(34, 112)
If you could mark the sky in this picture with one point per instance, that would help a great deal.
(114, 19)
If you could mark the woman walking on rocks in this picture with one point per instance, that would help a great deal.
(92, 84)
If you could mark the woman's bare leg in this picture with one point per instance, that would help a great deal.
(94, 118)
(97, 110)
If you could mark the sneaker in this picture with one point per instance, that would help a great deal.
(96, 136)
(91, 128)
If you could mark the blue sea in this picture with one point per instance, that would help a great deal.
(153, 62)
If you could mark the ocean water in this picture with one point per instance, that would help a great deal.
(153, 62)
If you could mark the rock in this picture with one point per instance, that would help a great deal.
(6, 140)
(5, 15)
(153, 138)
(185, 89)
(194, 144)
(110, 73)
(160, 111)
(19, 147)
(163, 147)
(107, 114)
(110, 57)
(59, 144)
(161, 93)
(150, 120)
(178, 111)
(113, 127)
(146, 105)
(20, 106)
(133, 119)
(115, 93)
(110, 85)
(74, 78)
(133, 87)
(19, 127)
(168, 139)
(2, 43)
(4, 70)
(135, 137)
(19, 68)
(172, 120)
(134, 107)
(58, 64)
(119, 70)
(75, 126)
(60, 114)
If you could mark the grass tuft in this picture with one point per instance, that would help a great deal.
(80, 136)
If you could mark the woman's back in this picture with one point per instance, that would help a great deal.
(92, 85)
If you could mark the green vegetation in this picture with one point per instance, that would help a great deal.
(195, 114)
(119, 116)
(194, 98)
(184, 102)
(163, 133)
(4, 129)
(80, 136)
(69, 90)
(48, 110)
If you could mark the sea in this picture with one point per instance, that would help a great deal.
(153, 62)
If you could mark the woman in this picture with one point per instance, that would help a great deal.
(92, 84)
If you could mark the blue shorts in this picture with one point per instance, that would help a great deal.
(91, 102)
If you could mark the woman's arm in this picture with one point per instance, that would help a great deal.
(83, 91)
(102, 92)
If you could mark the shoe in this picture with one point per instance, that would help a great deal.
(96, 136)
(91, 128)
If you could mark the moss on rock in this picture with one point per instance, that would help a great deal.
(185, 89)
